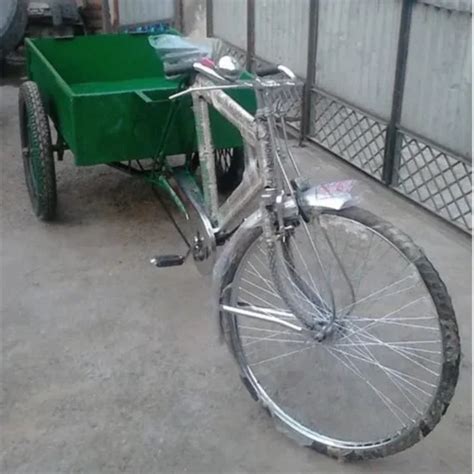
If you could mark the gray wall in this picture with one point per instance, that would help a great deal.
(230, 21)
(391, 90)
(437, 99)
(194, 18)
(357, 51)
(142, 11)
(281, 32)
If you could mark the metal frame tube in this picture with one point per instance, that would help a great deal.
(206, 156)
(248, 189)
(250, 34)
(209, 19)
(230, 110)
(256, 137)
(310, 69)
(391, 153)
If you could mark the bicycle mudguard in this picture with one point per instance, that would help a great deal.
(311, 201)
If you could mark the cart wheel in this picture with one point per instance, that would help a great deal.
(37, 152)
(229, 168)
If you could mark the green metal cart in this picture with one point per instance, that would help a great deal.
(107, 97)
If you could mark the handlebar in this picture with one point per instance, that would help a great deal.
(176, 69)
(222, 82)
(202, 67)
(267, 71)
(272, 70)
(210, 73)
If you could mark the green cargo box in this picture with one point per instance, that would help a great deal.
(108, 98)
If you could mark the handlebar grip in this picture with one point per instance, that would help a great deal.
(175, 69)
(268, 71)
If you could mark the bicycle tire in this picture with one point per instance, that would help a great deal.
(447, 326)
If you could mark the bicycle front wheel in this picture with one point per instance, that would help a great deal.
(381, 379)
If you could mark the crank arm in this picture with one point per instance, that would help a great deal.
(192, 222)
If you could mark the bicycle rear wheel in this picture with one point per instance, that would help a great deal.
(381, 379)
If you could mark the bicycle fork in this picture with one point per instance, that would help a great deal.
(282, 209)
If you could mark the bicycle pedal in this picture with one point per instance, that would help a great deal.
(163, 261)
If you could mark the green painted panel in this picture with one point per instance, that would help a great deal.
(56, 94)
(101, 58)
(109, 98)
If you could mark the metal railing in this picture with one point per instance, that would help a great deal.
(425, 157)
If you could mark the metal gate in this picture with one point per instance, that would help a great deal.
(388, 85)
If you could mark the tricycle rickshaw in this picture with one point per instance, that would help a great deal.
(340, 325)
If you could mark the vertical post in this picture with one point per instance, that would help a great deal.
(209, 19)
(391, 157)
(106, 24)
(250, 34)
(116, 17)
(310, 69)
(178, 15)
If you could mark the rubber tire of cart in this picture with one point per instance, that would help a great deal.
(37, 152)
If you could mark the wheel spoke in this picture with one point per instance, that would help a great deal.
(317, 311)
(370, 375)
(281, 356)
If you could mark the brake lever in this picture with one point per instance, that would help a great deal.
(209, 72)
(287, 71)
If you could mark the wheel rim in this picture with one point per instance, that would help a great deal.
(363, 400)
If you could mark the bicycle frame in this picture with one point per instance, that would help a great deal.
(252, 182)
(308, 314)
(263, 172)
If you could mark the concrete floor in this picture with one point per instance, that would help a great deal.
(111, 365)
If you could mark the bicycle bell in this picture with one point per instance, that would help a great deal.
(228, 67)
